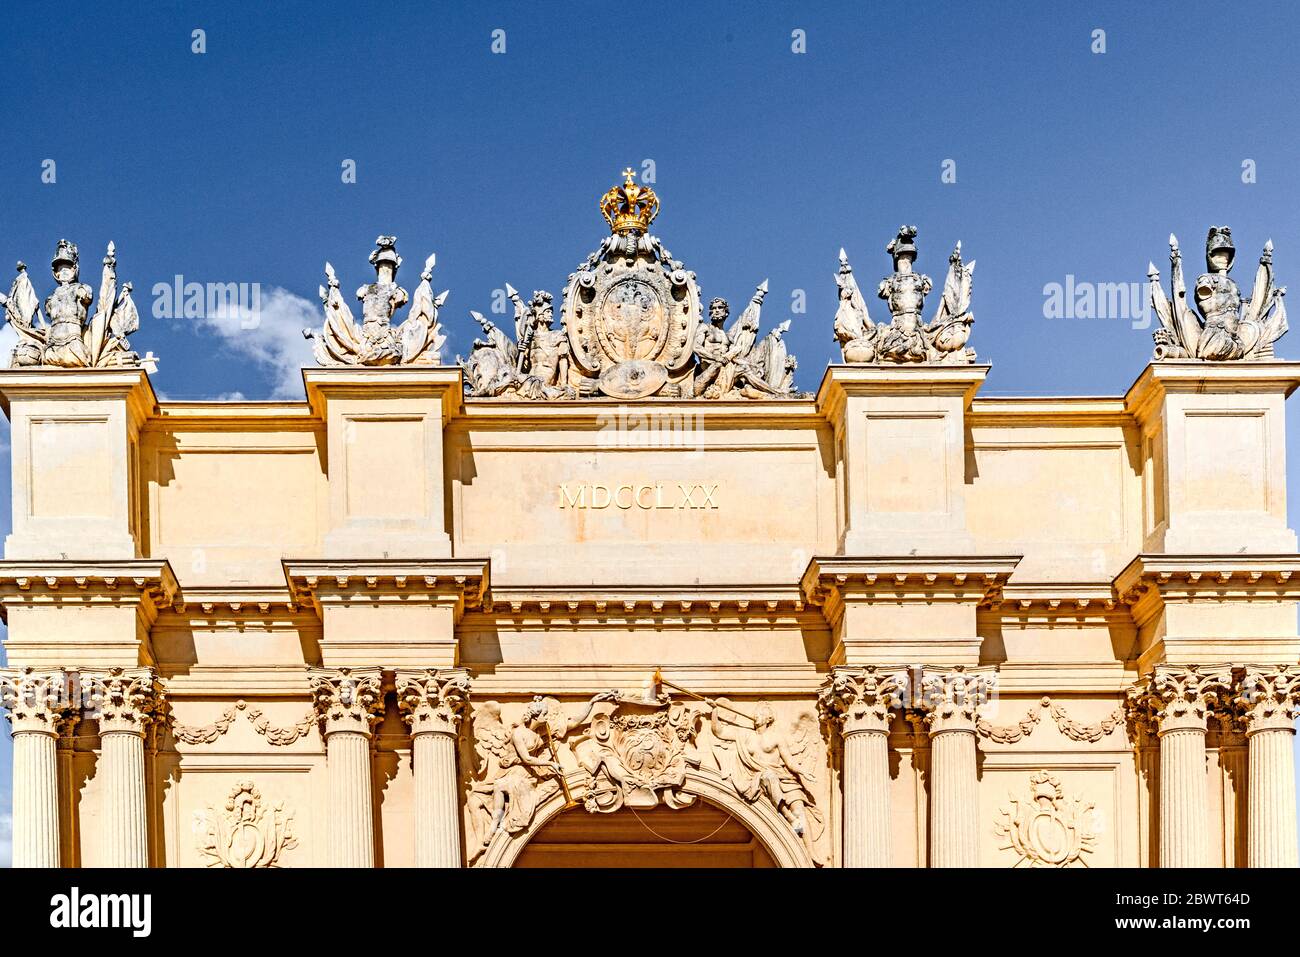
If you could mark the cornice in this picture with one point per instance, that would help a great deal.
(314, 582)
(145, 582)
(1150, 581)
(1051, 600)
(842, 381)
(391, 382)
(623, 603)
(1022, 411)
(907, 577)
(237, 601)
(131, 384)
(749, 413)
(1159, 379)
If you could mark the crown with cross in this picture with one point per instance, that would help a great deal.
(630, 206)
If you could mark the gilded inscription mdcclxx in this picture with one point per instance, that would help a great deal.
(670, 495)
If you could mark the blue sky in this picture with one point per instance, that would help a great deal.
(226, 166)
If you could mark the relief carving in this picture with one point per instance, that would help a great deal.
(347, 699)
(1011, 733)
(518, 765)
(432, 701)
(1048, 829)
(1090, 733)
(207, 733)
(1178, 698)
(278, 736)
(861, 699)
(1268, 698)
(636, 754)
(762, 761)
(636, 751)
(631, 326)
(37, 701)
(245, 832)
(123, 699)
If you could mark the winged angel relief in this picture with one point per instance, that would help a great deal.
(417, 341)
(635, 751)
(907, 338)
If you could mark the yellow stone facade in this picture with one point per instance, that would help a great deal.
(890, 624)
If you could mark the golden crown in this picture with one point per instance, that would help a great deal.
(630, 206)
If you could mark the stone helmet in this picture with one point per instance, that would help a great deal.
(904, 242)
(1219, 239)
(385, 251)
(64, 255)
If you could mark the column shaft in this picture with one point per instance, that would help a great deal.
(352, 827)
(1184, 816)
(866, 799)
(126, 831)
(437, 817)
(36, 800)
(954, 822)
(1271, 799)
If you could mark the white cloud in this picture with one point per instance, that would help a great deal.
(6, 839)
(272, 337)
(8, 339)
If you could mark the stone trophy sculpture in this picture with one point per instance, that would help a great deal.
(375, 342)
(1224, 326)
(907, 338)
(630, 328)
(71, 338)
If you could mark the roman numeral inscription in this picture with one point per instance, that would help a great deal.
(666, 495)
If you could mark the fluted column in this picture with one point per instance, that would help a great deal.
(1178, 701)
(126, 702)
(432, 704)
(858, 701)
(1267, 703)
(37, 706)
(350, 702)
(951, 701)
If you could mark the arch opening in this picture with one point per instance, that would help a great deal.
(702, 835)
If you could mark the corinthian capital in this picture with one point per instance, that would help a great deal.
(347, 699)
(951, 699)
(860, 699)
(1268, 697)
(1181, 697)
(37, 701)
(433, 700)
(123, 699)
